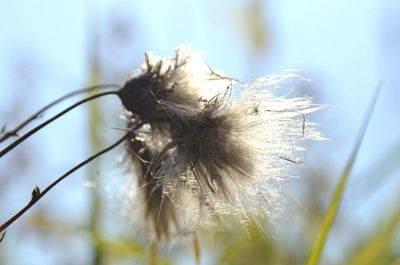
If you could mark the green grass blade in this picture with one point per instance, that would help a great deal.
(196, 249)
(329, 218)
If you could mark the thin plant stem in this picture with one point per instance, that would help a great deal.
(37, 195)
(40, 126)
(14, 131)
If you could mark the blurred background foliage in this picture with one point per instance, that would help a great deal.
(345, 48)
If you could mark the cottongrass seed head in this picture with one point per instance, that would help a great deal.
(211, 146)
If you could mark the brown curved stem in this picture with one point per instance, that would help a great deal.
(40, 126)
(14, 132)
(37, 195)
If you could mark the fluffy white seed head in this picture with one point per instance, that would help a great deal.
(220, 148)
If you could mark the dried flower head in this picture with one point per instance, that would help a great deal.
(211, 146)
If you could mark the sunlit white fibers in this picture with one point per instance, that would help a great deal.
(224, 149)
